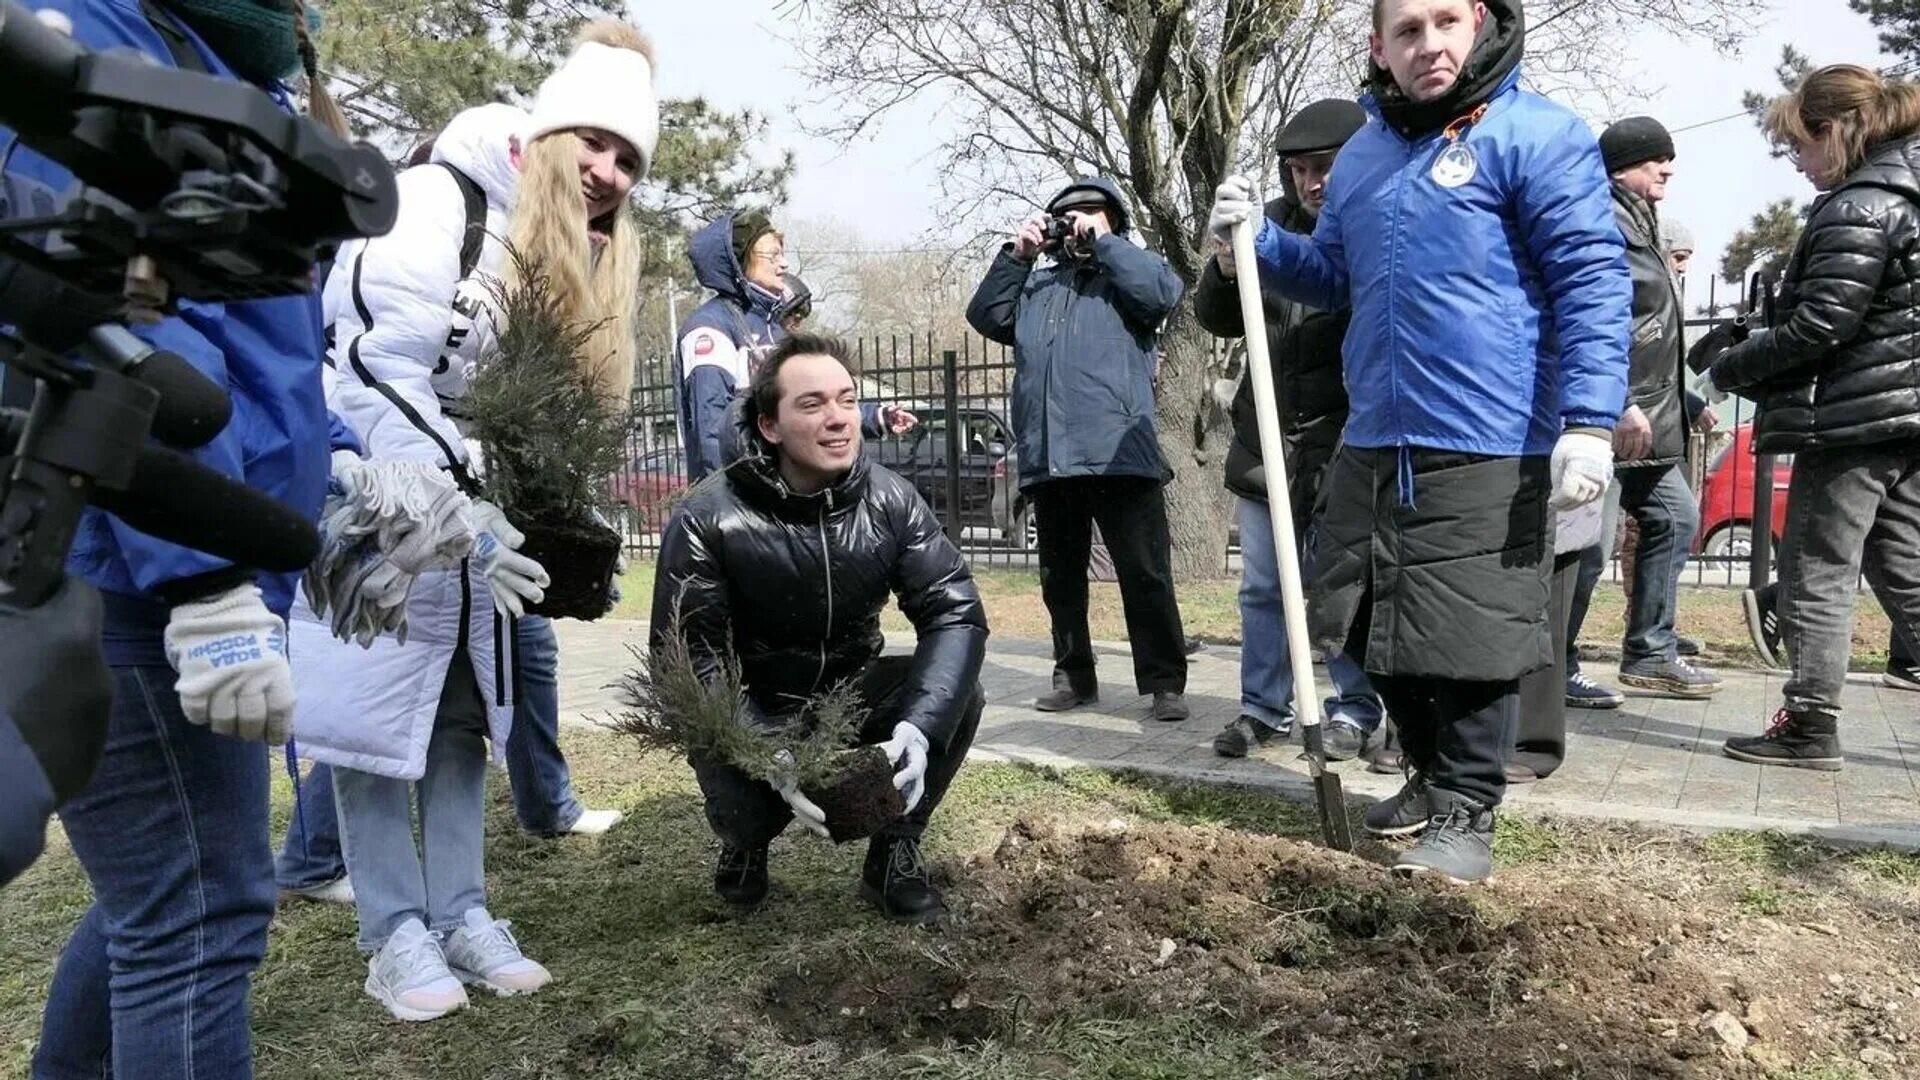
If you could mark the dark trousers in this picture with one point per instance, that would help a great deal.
(748, 813)
(1541, 743)
(1457, 732)
(1132, 514)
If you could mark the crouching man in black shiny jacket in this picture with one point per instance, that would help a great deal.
(785, 559)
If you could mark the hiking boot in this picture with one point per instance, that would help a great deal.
(741, 876)
(1064, 696)
(409, 975)
(1241, 736)
(1401, 814)
(1675, 677)
(1584, 693)
(1169, 706)
(1803, 740)
(483, 952)
(1458, 842)
(1763, 624)
(1343, 740)
(1901, 676)
(1685, 645)
(896, 881)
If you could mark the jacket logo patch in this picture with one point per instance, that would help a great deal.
(1455, 166)
(703, 345)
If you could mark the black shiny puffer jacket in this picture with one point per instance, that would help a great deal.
(794, 585)
(1842, 365)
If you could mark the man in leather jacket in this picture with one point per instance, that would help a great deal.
(784, 560)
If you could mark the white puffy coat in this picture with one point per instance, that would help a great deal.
(407, 333)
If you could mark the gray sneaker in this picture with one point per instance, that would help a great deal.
(483, 952)
(1401, 814)
(1674, 677)
(409, 975)
(1458, 843)
(1342, 740)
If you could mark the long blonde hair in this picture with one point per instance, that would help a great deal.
(1848, 108)
(549, 228)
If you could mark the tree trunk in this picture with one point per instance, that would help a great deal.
(1193, 435)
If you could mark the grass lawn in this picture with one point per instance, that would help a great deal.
(1106, 927)
(1210, 610)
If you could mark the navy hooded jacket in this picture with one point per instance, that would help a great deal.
(1083, 333)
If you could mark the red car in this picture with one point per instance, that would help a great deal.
(1726, 499)
(648, 489)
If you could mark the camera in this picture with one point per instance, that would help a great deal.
(1057, 231)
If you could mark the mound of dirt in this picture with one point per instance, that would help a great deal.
(1352, 973)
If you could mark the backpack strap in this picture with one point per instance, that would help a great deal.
(185, 56)
(475, 236)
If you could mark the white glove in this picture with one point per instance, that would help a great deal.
(1233, 203)
(231, 653)
(515, 579)
(1582, 465)
(908, 748)
(804, 811)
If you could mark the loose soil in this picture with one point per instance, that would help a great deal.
(859, 799)
(1345, 971)
(579, 558)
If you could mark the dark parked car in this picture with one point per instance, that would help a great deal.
(986, 464)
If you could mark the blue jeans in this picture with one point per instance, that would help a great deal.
(542, 784)
(1657, 497)
(172, 832)
(445, 876)
(1266, 672)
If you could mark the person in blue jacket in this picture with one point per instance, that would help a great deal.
(743, 259)
(1084, 327)
(1472, 231)
(172, 828)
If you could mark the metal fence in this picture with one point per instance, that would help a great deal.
(962, 459)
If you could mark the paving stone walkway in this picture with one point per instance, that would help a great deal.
(1654, 760)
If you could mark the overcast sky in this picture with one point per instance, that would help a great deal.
(731, 52)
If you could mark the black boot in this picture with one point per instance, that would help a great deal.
(896, 881)
(1065, 695)
(1803, 740)
(741, 877)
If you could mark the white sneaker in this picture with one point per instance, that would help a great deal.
(409, 975)
(337, 891)
(484, 952)
(595, 822)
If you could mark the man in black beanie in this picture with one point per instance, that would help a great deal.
(1650, 441)
(1303, 344)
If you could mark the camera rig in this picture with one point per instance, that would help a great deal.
(190, 187)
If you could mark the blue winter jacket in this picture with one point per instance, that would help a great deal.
(1491, 300)
(266, 353)
(1083, 335)
(719, 347)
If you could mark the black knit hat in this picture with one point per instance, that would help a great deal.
(748, 226)
(1635, 140)
(1326, 124)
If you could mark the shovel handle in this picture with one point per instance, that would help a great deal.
(1279, 506)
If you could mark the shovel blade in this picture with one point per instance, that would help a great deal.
(1333, 811)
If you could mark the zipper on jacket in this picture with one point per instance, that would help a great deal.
(826, 562)
(466, 603)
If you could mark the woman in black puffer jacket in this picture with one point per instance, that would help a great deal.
(1838, 383)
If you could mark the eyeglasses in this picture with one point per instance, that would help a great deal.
(770, 254)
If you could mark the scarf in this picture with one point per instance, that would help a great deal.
(258, 39)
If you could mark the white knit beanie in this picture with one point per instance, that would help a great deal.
(605, 87)
(1675, 236)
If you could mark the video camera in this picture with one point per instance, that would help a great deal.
(192, 187)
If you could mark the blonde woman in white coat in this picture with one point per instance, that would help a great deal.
(409, 722)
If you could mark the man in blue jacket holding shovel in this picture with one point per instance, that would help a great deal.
(1471, 229)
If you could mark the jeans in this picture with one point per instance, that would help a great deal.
(1132, 513)
(747, 813)
(444, 877)
(1851, 510)
(542, 783)
(1458, 733)
(1657, 497)
(172, 832)
(1266, 669)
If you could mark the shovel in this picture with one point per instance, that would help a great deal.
(1326, 785)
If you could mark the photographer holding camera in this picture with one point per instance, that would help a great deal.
(172, 828)
(1083, 330)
